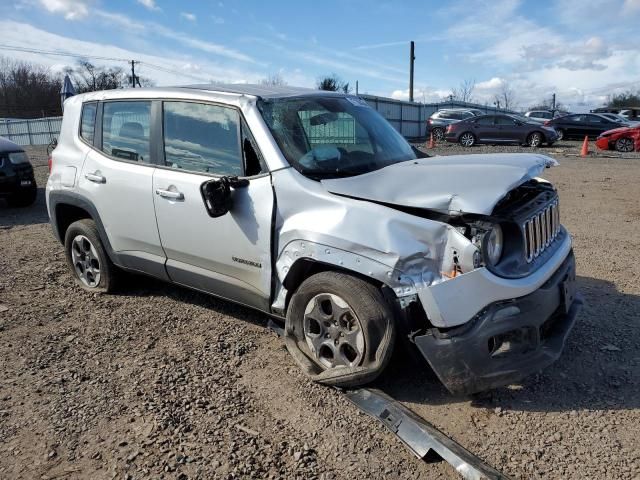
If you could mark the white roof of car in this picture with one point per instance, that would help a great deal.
(262, 91)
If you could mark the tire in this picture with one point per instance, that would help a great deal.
(89, 263)
(438, 133)
(624, 144)
(339, 329)
(535, 139)
(467, 139)
(23, 198)
(560, 133)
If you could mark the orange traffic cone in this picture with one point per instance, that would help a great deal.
(585, 147)
(432, 144)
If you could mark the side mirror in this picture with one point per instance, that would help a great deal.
(216, 194)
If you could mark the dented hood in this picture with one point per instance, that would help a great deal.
(449, 184)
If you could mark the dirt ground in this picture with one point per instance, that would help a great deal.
(157, 381)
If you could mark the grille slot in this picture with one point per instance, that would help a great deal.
(540, 230)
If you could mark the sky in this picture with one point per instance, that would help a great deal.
(582, 50)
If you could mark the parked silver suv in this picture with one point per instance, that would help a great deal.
(308, 206)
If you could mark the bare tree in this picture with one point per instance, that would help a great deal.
(28, 90)
(626, 99)
(274, 79)
(88, 77)
(333, 83)
(505, 98)
(464, 92)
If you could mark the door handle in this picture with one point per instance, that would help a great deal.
(95, 177)
(169, 194)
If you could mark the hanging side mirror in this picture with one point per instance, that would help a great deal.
(216, 194)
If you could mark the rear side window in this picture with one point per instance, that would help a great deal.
(125, 130)
(504, 121)
(485, 121)
(202, 138)
(88, 121)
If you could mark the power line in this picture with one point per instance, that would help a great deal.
(98, 57)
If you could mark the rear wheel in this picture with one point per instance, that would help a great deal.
(339, 329)
(87, 258)
(23, 198)
(624, 144)
(534, 139)
(467, 139)
(438, 133)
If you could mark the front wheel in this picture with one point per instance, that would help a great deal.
(339, 329)
(467, 139)
(560, 133)
(624, 144)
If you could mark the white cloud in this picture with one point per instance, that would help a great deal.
(120, 20)
(188, 16)
(491, 84)
(631, 5)
(187, 70)
(217, 20)
(150, 4)
(424, 95)
(71, 9)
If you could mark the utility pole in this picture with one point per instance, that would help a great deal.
(412, 58)
(553, 104)
(356, 88)
(133, 74)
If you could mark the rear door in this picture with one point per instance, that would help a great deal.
(484, 128)
(575, 125)
(117, 179)
(229, 256)
(598, 124)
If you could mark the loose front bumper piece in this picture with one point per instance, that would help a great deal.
(508, 339)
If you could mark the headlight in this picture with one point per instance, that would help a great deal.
(493, 245)
(18, 157)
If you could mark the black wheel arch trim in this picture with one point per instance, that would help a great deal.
(57, 198)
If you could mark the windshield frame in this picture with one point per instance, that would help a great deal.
(411, 153)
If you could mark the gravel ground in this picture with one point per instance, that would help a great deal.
(161, 382)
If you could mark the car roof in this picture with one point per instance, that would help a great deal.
(9, 146)
(261, 91)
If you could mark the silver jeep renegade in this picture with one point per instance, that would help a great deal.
(309, 206)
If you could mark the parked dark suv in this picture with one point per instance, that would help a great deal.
(440, 120)
(500, 129)
(17, 183)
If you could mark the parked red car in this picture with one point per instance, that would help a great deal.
(625, 139)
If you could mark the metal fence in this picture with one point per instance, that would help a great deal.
(409, 118)
(38, 131)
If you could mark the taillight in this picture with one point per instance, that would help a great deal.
(50, 162)
(448, 129)
(429, 121)
(547, 123)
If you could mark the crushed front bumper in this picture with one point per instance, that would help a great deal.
(508, 339)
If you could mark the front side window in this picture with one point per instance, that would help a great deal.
(202, 138)
(333, 136)
(125, 130)
(88, 121)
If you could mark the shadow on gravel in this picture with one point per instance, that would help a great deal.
(143, 286)
(31, 215)
(598, 370)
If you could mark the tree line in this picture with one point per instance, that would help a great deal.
(29, 90)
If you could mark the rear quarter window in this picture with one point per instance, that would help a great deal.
(88, 121)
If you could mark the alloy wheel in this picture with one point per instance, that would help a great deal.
(467, 139)
(624, 145)
(535, 139)
(333, 332)
(85, 261)
(438, 133)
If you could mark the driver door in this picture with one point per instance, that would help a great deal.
(228, 256)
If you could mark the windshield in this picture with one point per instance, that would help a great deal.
(330, 137)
